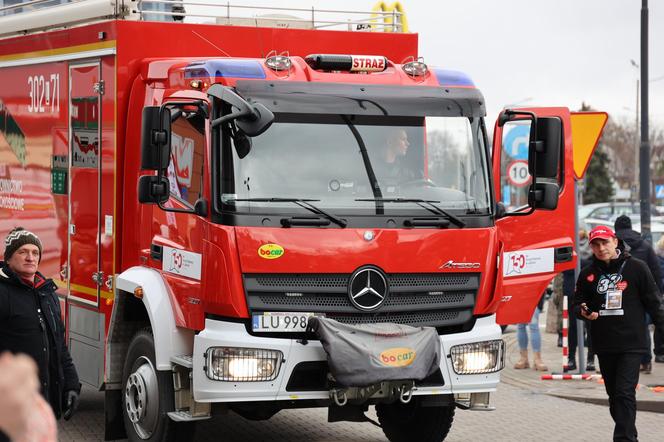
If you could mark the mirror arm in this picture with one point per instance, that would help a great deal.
(228, 117)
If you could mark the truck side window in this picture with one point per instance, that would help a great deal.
(514, 176)
(185, 171)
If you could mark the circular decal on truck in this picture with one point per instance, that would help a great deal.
(270, 251)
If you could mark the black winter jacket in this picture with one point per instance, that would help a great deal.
(640, 249)
(23, 331)
(627, 332)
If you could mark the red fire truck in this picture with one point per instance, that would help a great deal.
(202, 190)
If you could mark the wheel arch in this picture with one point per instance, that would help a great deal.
(131, 314)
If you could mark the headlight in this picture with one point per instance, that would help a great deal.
(242, 364)
(478, 357)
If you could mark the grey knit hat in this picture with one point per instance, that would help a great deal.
(19, 237)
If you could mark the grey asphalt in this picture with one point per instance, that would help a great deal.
(590, 391)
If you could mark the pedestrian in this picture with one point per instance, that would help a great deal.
(535, 340)
(659, 335)
(572, 334)
(31, 323)
(641, 249)
(613, 294)
(24, 414)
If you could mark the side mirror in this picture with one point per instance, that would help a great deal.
(155, 138)
(547, 148)
(257, 123)
(153, 189)
(201, 207)
(544, 195)
(251, 118)
(242, 144)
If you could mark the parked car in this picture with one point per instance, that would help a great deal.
(610, 210)
(656, 227)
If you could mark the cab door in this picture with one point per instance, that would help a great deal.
(533, 247)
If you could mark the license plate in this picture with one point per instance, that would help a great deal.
(281, 321)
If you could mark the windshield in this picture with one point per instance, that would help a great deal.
(347, 164)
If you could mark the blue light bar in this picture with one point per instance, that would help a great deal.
(447, 77)
(225, 68)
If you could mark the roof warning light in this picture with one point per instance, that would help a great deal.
(347, 63)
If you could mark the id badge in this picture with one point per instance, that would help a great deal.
(613, 300)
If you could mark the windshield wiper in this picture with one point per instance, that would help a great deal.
(427, 204)
(305, 203)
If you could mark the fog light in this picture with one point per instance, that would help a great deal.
(478, 357)
(242, 364)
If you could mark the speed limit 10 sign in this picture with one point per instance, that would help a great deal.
(517, 173)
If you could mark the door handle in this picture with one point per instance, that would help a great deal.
(98, 277)
(563, 254)
(64, 272)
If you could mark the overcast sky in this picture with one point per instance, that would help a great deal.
(536, 52)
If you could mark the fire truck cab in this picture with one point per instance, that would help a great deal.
(203, 190)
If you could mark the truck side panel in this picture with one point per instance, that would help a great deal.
(57, 179)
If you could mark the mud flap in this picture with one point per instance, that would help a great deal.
(368, 354)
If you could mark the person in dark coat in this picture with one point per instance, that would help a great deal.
(613, 295)
(31, 321)
(641, 249)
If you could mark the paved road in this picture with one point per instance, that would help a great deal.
(520, 416)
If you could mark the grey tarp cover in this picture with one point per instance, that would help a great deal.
(366, 354)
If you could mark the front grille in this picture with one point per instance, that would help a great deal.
(416, 299)
(421, 318)
(341, 302)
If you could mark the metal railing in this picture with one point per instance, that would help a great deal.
(386, 21)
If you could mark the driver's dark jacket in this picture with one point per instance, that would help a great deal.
(626, 333)
(395, 173)
(22, 331)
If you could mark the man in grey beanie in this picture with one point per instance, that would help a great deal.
(31, 321)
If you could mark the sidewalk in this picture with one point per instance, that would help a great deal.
(591, 391)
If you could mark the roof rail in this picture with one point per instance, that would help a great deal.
(26, 16)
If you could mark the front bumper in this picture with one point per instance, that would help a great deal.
(228, 334)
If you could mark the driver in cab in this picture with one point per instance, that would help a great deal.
(391, 167)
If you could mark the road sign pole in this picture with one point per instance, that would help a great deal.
(579, 323)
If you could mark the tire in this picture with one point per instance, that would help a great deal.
(149, 396)
(413, 422)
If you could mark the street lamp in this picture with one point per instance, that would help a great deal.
(636, 136)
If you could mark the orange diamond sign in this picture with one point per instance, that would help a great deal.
(587, 129)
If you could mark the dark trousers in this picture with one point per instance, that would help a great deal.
(655, 343)
(659, 341)
(621, 375)
(572, 338)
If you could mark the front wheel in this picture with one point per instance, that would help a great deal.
(147, 395)
(414, 422)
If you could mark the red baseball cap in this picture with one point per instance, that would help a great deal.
(602, 232)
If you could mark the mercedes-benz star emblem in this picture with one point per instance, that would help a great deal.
(368, 288)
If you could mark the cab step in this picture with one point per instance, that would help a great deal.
(185, 361)
(185, 416)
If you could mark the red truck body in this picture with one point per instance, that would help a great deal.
(71, 115)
